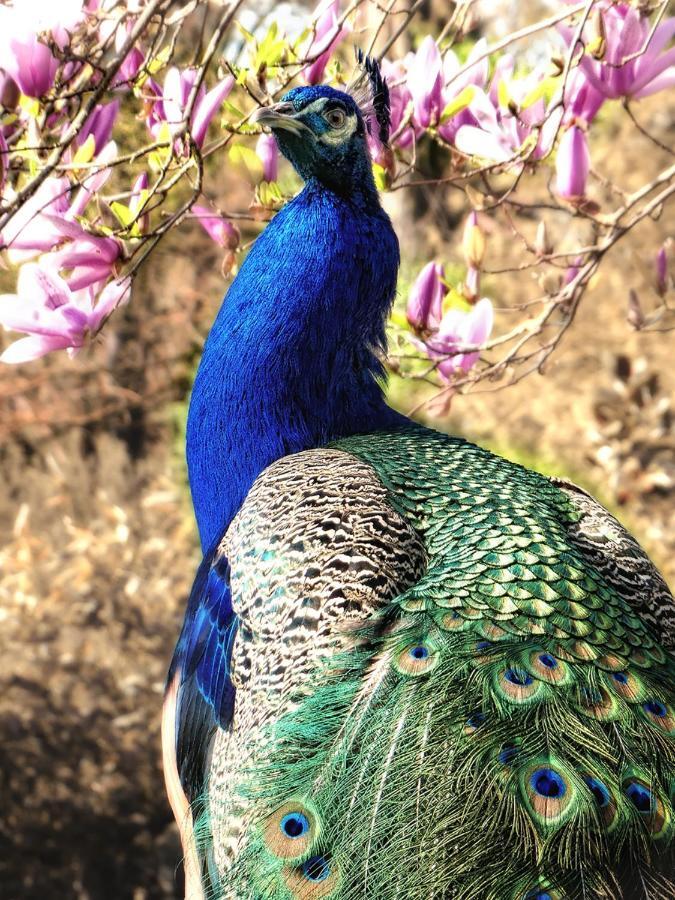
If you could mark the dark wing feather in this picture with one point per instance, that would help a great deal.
(202, 657)
(622, 561)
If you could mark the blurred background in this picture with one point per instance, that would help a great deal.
(99, 545)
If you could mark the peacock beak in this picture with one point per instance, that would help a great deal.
(279, 116)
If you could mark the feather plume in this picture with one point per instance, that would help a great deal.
(369, 91)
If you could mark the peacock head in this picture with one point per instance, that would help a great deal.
(323, 131)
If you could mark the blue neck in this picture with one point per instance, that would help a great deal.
(290, 361)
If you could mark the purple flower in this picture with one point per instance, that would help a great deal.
(178, 86)
(94, 182)
(625, 34)
(218, 229)
(129, 69)
(458, 85)
(133, 61)
(87, 259)
(327, 35)
(459, 330)
(30, 63)
(34, 226)
(425, 83)
(100, 125)
(573, 163)
(506, 122)
(582, 100)
(425, 303)
(52, 315)
(268, 153)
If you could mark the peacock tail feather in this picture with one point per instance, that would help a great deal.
(463, 688)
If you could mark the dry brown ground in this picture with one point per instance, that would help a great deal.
(99, 547)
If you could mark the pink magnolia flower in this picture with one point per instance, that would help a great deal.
(457, 79)
(425, 303)
(499, 133)
(28, 60)
(328, 33)
(218, 229)
(458, 330)
(582, 100)
(30, 63)
(425, 83)
(87, 258)
(573, 163)
(133, 61)
(178, 86)
(626, 32)
(100, 173)
(99, 124)
(53, 316)
(34, 226)
(268, 153)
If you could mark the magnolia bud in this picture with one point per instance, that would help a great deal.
(573, 163)
(426, 298)
(542, 244)
(228, 263)
(471, 286)
(473, 242)
(635, 316)
(9, 91)
(661, 272)
(598, 43)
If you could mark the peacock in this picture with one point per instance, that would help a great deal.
(409, 669)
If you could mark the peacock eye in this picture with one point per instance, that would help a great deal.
(335, 118)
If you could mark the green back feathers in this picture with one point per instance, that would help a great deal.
(503, 729)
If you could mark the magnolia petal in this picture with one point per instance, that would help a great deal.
(660, 39)
(115, 294)
(207, 108)
(661, 83)
(33, 347)
(573, 163)
(172, 99)
(480, 321)
(426, 297)
(94, 182)
(650, 73)
(425, 83)
(268, 153)
(476, 142)
(86, 275)
(38, 281)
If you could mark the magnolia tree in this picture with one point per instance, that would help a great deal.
(111, 110)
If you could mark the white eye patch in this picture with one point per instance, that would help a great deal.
(336, 136)
(333, 136)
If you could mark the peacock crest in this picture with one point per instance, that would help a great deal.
(369, 91)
